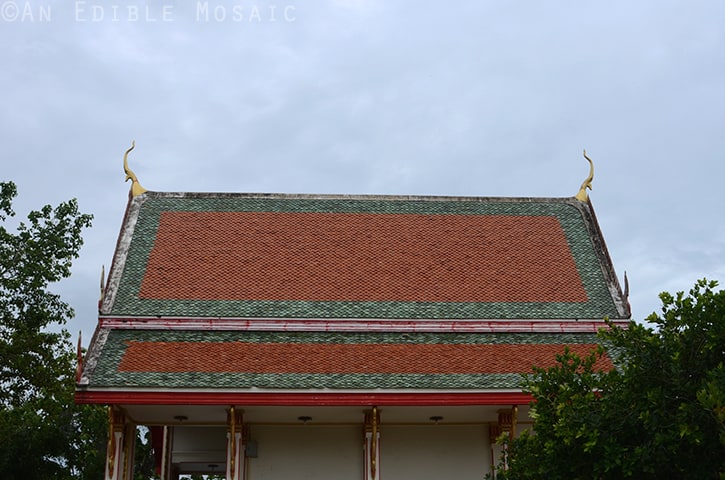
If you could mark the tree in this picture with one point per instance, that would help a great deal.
(659, 414)
(39, 423)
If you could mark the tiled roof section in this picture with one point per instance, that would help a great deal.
(239, 357)
(357, 257)
(303, 360)
(275, 256)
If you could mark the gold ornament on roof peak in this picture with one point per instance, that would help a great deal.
(583, 196)
(136, 188)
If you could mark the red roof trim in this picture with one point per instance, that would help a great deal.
(305, 399)
(313, 325)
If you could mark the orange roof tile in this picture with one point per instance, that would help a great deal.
(360, 257)
(302, 358)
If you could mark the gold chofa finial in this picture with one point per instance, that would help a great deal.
(136, 188)
(583, 196)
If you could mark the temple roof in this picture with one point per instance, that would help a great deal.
(220, 292)
(359, 257)
(327, 360)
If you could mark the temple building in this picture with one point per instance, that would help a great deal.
(281, 336)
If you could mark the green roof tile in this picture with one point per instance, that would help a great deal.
(107, 373)
(578, 225)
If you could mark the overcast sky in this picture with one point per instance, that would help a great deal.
(481, 98)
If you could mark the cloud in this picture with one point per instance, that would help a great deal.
(472, 98)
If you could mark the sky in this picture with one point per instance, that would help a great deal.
(470, 98)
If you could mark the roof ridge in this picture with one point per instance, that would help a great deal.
(360, 196)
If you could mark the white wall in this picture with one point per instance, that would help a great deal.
(326, 452)
(434, 452)
(306, 452)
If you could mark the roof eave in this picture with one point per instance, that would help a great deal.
(304, 398)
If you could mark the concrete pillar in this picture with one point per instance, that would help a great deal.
(235, 444)
(372, 444)
(168, 447)
(129, 450)
(121, 444)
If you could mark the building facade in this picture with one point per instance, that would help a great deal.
(276, 336)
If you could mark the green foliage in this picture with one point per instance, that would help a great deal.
(89, 429)
(144, 468)
(659, 414)
(40, 426)
(712, 397)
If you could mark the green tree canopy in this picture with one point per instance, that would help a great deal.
(659, 414)
(39, 423)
